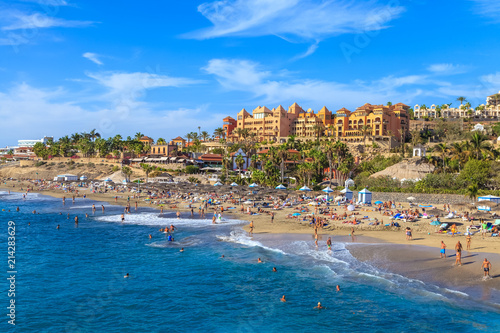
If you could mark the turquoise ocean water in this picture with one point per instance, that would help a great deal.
(71, 279)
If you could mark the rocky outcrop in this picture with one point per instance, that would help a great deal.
(411, 169)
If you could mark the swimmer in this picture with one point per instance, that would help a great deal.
(319, 306)
(259, 261)
(222, 256)
(172, 228)
(178, 214)
(68, 216)
(338, 288)
(86, 215)
(182, 249)
(150, 236)
(329, 243)
(76, 219)
(123, 218)
(274, 269)
(17, 209)
(283, 299)
(126, 276)
(57, 226)
(170, 238)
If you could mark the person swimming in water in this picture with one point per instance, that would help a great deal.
(319, 306)
(126, 275)
(283, 299)
(259, 261)
(182, 249)
(338, 288)
(274, 269)
(170, 238)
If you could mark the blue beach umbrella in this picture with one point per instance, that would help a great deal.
(378, 202)
(304, 188)
(280, 187)
(253, 185)
(435, 223)
(327, 190)
(218, 184)
(233, 184)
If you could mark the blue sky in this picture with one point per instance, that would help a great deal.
(166, 67)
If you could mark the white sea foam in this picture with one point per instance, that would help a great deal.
(457, 292)
(154, 219)
(240, 237)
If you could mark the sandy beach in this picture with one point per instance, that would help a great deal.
(384, 246)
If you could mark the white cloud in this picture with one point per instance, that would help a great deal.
(128, 87)
(53, 3)
(29, 112)
(444, 68)
(92, 57)
(488, 8)
(41, 21)
(307, 20)
(266, 87)
(22, 21)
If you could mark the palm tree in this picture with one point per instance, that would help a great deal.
(240, 161)
(161, 141)
(472, 191)
(127, 172)
(365, 129)
(461, 99)
(138, 135)
(219, 132)
(282, 153)
(147, 168)
(318, 130)
(205, 136)
(443, 149)
(478, 145)
(94, 134)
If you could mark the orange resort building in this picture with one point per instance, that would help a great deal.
(377, 122)
(146, 140)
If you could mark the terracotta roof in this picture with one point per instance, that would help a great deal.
(211, 157)
(178, 138)
(146, 138)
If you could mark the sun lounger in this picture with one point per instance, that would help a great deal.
(444, 226)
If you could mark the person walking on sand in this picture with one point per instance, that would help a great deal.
(468, 239)
(443, 250)
(486, 267)
(251, 227)
(408, 233)
(458, 249)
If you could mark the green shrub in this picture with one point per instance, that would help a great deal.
(40, 163)
(190, 169)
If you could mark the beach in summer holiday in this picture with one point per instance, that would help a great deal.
(362, 256)
(250, 166)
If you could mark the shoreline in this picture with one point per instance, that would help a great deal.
(417, 259)
(423, 234)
